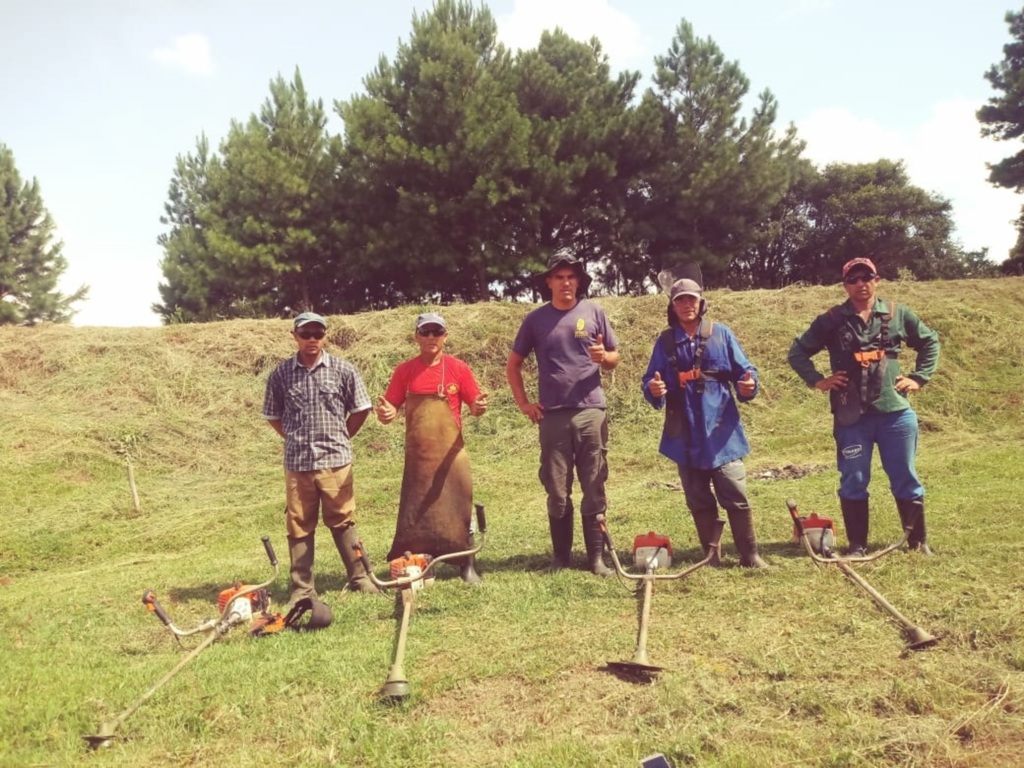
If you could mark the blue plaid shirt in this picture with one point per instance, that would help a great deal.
(312, 405)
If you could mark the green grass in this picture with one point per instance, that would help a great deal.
(791, 666)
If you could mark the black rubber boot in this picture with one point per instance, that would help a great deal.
(594, 540)
(912, 512)
(300, 551)
(741, 523)
(561, 541)
(855, 520)
(705, 525)
(346, 539)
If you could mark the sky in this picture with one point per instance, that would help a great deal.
(98, 97)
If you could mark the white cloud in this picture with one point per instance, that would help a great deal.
(189, 53)
(945, 154)
(580, 19)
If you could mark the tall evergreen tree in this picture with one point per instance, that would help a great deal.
(717, 174)
(433, 151)
(267, 225)
(30, 263)
(193, 291)
(252, 231)
(584, 153)
(1003, 117)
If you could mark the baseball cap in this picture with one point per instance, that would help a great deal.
(309, 317)
(431, 318)
(685, 287)
(867, 263)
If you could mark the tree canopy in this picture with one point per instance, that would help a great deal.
(31, 264)
(463, 165)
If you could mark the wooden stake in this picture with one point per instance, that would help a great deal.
(136, 506)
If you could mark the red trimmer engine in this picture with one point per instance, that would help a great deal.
(821, 534)
(654, 549)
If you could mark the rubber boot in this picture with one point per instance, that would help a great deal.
(855, 520)
(561, 541)
(705, 525)
(300, 551)
(468, 568)
(741, 523)
(912, 511)
(594, 541)
(346, 539)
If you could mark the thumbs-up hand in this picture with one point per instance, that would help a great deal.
(385, 411)
(479, 406)
(656, 386)
(746, 385)
(597, 350)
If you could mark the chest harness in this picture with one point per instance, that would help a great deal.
(695, 374)
(675, 402)
(872, 360)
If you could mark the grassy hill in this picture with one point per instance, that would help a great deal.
(790, 666)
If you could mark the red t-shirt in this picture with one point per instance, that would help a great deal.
(449, 376)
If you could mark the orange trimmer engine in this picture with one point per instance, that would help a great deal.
(820, 532)
(652, 550)
(259, 600)
(410, 565)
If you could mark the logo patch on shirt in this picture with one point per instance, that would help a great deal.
(453, 388)
(581, 329)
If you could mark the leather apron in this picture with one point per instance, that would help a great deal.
(436, 506)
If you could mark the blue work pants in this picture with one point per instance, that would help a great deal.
(895, 434)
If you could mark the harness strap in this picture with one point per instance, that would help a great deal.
(866, 357)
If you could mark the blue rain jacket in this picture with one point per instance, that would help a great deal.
(713, 435)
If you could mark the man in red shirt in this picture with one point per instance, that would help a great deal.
(435, 511)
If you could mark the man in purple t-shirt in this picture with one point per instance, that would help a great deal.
(573, 343)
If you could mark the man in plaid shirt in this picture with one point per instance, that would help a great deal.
(317, 402)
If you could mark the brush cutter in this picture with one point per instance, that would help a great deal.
(410, 573)
(652, 552)
(822, 554)
(237, 605)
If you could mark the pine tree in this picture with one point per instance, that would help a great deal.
(30, 263)
(717, 174)
(433, 158)
(1003, 118)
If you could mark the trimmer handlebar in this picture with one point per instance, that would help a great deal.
(649, 573)
(793, 512)
(406, 581)
(152, 604)
(270, 551)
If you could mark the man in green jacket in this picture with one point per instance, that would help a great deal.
(868, 394)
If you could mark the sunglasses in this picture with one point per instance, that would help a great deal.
(431, 331)
(307, 335)
(854, 279)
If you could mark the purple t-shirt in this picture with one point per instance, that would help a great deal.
(566, 376)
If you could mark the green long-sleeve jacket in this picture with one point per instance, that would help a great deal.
(905, 328)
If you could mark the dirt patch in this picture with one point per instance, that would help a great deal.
(788, 472)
